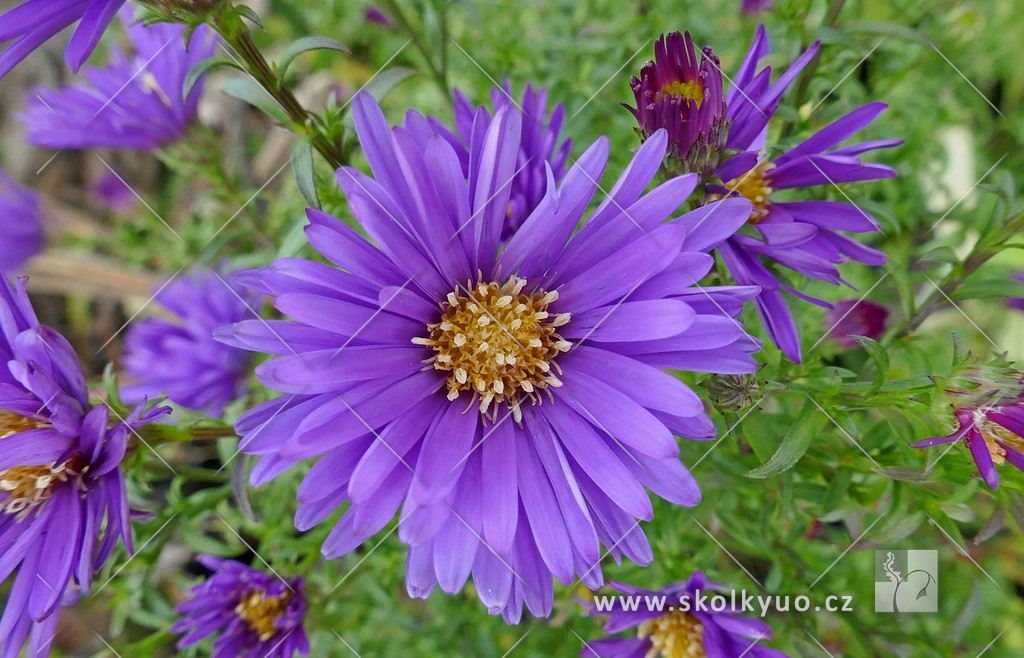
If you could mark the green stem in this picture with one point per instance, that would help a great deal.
(231, 27)
(439, 74)
(804, 82)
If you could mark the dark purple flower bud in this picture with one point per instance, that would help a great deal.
(375, 15)
(684, 96)
(1017, 302)
(852, 317)
(756, 6)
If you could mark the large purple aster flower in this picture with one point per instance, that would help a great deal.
(803, 236)
(34, 22)
(539, 147)
(510, 400)
(178, 355)
(134, 102)
(63, 504)
(21, 224)
(677, 633)
(255, 614)
(993, 433)
(682, 95)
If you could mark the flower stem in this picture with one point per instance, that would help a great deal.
(439, 73)
(234, 31)
(804, 82)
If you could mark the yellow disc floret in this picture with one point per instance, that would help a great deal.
(27, 488)
(677, 634)
(261, 612)
(993, 433)
(692, 90)
(498, 343)
(756, 186)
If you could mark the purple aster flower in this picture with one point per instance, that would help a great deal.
(134, 102)
(539, 147)
(756, 6)
(34, 22)
(1017, 302)
(806, 237)
(657, 631)
(257, 615)
(853, 317)
(63, 503)
(178, 355)
(509, 399)
(994, 434)
(677, 93)
(21, 224)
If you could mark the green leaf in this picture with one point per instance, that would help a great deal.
(793, 445)
(879, 356)
(302, 168)
(250, 91)
(250, 15)
(385, 81)
(306, 44)
(201, 69)
(990, 288)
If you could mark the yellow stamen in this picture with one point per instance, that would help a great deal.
(753, 185)
(676, 634)
(692, 90)
(29, 487)
(498, 343)
(993, 432)
(261, 612)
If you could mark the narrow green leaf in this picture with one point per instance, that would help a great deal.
(302, 168)
(306, 44)
(793, 445)
(990, 288)
(201, 69)
(251, 92)
(879, 356)
(250, 15)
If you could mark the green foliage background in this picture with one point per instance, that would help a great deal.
(804, 483)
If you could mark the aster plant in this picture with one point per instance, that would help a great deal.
(672, 630)
(542, 361)
(63, 504)
(176, 354)
(135, 101)
(253, 614)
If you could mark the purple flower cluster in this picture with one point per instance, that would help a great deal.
(254, 614)
(34, 22)
(134, 102)
(63, 503)
(676, 633)
(178, 355)
(544, 360)
(21, 225)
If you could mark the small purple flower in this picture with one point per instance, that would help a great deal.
(659, 631)
(178, 355)
(542, 412)
(1017, 302)
(255, 614)
(113, 191)
(677, 93)
(756, 6)
(34, 22)
(133, 102)
(803, 236)
(63, 503)
(994, 434)
(539, 147)
(21, 225)
(852, 317)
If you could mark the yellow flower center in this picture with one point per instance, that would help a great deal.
(692, 90)
(753, 185)
(993, 432)
(677, 634)
(498, 343)
(29, 487)
(261, 612)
